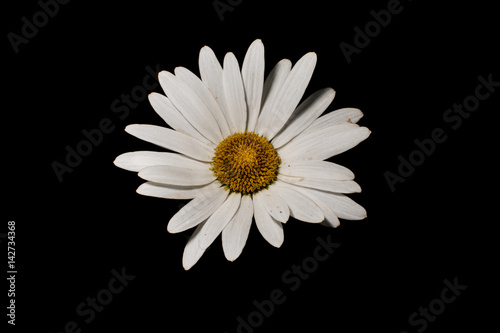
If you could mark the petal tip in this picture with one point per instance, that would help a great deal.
(139, 190)
(231, 258)
(171, 229)
(179, 69)
(229, 56)
(312, 55)
(277, 245)
(129, 128)
(187, 265)
(257, 42)
(116, 161)
(142, 174)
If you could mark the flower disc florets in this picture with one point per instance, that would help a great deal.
(246, 162)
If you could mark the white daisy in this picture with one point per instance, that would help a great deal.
(245, 148)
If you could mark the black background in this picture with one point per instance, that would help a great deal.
(70, 235)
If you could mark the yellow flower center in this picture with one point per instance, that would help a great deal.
(245, 162)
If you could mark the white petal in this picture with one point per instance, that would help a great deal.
(275, 205)
(270, 229)
(338, 186)
(252, 72)
(289, 95)
(343, 206)
(218, 221)
(173, 140)
(211, 75)
(324, 143)
(272, 85)
(193, 251)
(301, 207)
(173, 117)
(174, 192)
(197, 210)
(191, 106)
(234, 94)
(235, 234)
(204, 94)
(337, 117)
(316, 169)
(304, 115)
(178, 175)
(331, 219)
(137, 160)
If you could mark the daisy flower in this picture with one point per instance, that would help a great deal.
(243, 148)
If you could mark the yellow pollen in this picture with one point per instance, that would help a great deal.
(245, 162)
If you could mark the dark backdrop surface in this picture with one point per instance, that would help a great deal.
(94, 256)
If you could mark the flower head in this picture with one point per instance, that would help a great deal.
(243, 148)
